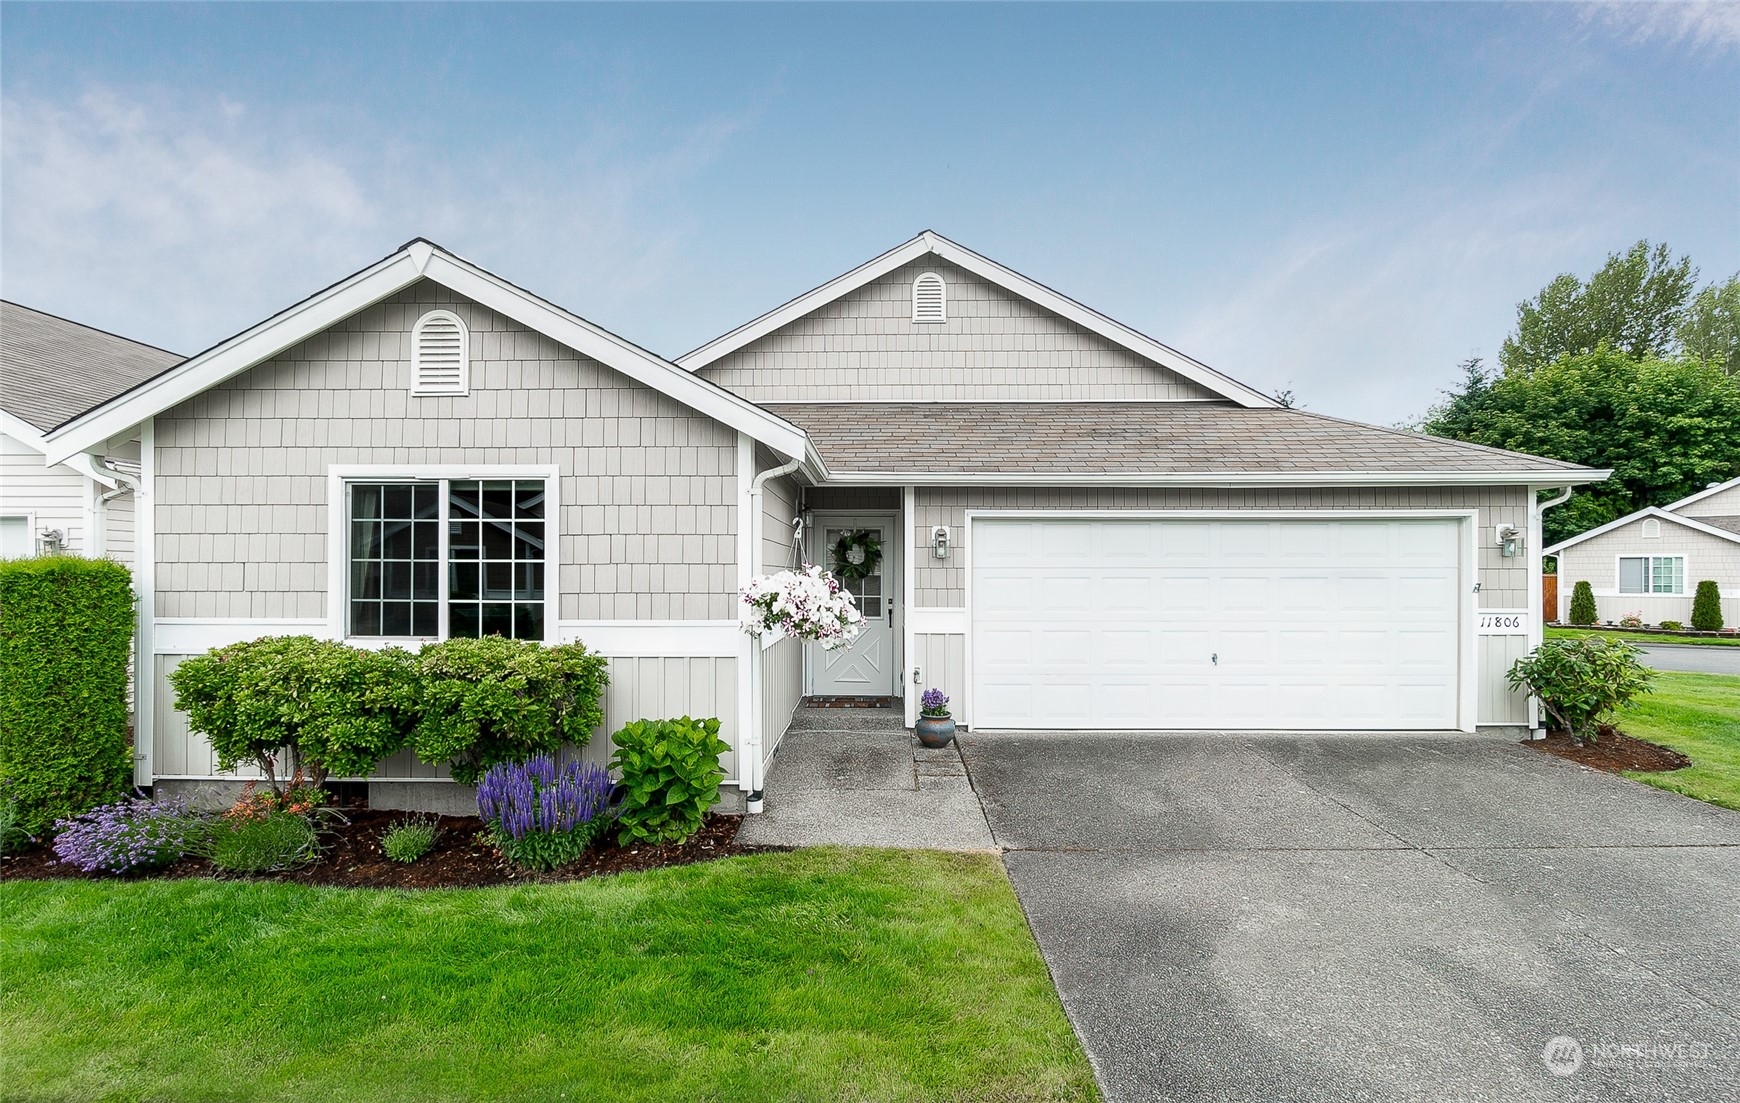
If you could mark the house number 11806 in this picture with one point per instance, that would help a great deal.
(1503, 623)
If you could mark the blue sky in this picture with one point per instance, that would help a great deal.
(1344, 200)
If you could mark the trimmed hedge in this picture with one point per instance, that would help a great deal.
(1707, 607)
(66, 629)
(335, 710)
(491, 700)
(1583, 604)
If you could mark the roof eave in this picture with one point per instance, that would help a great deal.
(1209, 479)
(1658, 512)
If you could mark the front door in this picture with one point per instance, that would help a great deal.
(866, 668)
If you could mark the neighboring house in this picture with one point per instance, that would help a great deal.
(1650, 562)
(51, 370)
(1079, 527)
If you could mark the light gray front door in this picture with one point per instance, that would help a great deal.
(866, 668)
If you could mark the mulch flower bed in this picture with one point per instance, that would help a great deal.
(351, 857)
(1614, 752)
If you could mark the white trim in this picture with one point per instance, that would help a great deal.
(1702, 494)
(197, 635)
(23, 432)
(909, 617)
(1212, 479)
(940, 620)
(1650, 511)
(656, 639)
(1008, 279)
(145, 587)
(747, 685)
(1468, 672)
(340, 475)
(386, 277)
(462, 386)
(1649, 559)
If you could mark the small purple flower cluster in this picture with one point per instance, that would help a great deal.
(539, 797)
(136, 833)
(934, 702)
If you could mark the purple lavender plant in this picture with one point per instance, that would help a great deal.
(934, 702)
(136, 833)
(543, 815)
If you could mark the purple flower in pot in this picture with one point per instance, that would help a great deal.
(936, 728)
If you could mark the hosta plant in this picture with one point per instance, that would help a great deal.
(1580, 681)
(131, 834)
(542, 815)
(670, 777)
(809, 604)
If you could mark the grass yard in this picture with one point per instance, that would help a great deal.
(820, 974)
(1698, 714)
(1643, 639)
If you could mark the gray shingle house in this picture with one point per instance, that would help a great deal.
(1078, 526)
(51, 370)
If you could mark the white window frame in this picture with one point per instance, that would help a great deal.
(340, 477)
(418, 387)
(942, 297)
(1649, 575)
(29, 519)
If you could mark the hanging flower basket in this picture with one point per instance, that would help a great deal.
(810, 605)
(857, 555)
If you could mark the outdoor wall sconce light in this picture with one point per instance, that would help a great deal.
(939, 541)
(1509, 541)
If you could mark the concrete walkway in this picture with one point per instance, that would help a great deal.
(857, 777)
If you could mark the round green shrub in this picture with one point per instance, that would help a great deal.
(494, 700)
(670, 776)
(66, 631)
(1583, 604)
(336, 710)
(1579, 681)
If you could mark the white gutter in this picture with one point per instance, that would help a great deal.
(1217, 479)
(754, 769)
(1537, 614)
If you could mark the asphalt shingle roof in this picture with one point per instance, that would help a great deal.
(1127, 438)
(52, 370)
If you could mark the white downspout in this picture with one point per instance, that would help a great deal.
(756, 769)
(1537, 611)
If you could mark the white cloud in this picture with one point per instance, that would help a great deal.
(180, 222)
(1367, 316)
(1707, 25)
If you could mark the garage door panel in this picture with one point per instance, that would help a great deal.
(1110, 623)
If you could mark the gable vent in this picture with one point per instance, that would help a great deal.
(929, 299)
(1652, 529)
(440, 356)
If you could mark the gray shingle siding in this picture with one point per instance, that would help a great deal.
(648, 485)
(994, 346)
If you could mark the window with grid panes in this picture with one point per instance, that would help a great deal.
(486, 579)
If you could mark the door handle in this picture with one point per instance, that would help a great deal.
(891, 614)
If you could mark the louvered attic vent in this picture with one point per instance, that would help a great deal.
(929, 299)
(440, 360)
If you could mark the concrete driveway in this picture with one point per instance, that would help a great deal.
(1700, 660)
(1368, 917)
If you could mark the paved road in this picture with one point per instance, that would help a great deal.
(1703, 660)
(1371, 917)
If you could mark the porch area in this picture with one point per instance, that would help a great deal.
(857, 777)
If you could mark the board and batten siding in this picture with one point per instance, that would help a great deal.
(780, 666)
(1596, 561)
(995, 346)
(648, 485)
(940, 584)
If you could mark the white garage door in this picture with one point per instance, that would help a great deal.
(1279, 624)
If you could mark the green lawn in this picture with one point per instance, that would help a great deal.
(1698, 714)
(821, 974)
(1644, 639)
